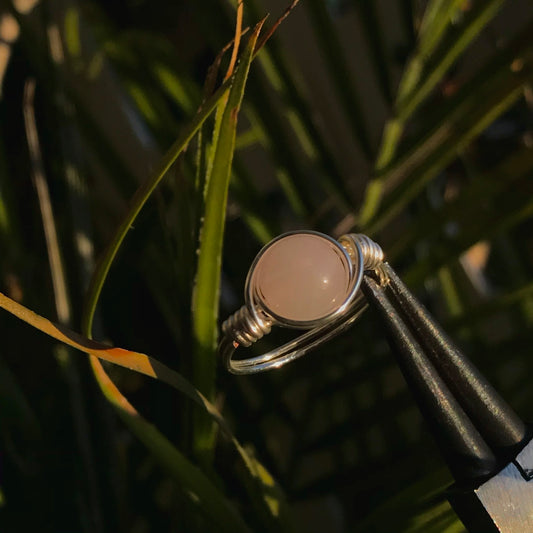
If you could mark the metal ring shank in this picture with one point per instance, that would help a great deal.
(291, 350)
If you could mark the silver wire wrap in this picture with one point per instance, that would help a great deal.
(247, 326)
(244, 328)
(372, 253)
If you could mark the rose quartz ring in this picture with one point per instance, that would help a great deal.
(302, 280)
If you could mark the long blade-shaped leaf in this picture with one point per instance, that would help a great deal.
(267, 495)
(206, 291)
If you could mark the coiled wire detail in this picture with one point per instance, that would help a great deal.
(246, 328)
(372, 253)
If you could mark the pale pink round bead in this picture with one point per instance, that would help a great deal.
(302, 277)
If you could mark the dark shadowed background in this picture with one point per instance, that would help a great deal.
(404, 119)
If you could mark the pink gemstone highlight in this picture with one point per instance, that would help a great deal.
(302, 277)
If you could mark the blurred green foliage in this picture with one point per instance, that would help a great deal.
(408, 120)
